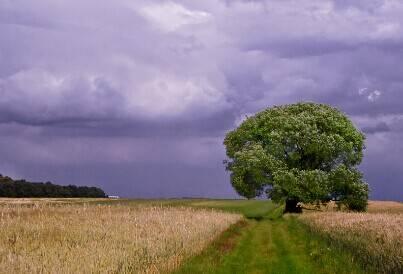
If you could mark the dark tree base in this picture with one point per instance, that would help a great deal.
(291, 206)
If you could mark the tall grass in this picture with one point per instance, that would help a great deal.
(375, 239)
(74, 238)
(385, 207)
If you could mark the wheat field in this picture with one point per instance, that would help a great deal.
(375, 238)
(73, 238)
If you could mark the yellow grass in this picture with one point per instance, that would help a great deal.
(375, 238)
(373, 207)
(73, 238)
(385, 207)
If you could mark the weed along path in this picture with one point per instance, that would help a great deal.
(269, 243)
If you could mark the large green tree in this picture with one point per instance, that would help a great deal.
(304, 152)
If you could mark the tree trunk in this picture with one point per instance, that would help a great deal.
(291, 206)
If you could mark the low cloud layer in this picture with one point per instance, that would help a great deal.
(136, 96)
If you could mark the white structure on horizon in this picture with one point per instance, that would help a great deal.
(113, 197)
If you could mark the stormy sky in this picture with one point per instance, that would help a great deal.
(136, 96)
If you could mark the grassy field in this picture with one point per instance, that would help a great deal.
(195, 236)
(280, 246)
(252, 209)
(42, 237)
(314, 242)
(375, 238)
(269, 243)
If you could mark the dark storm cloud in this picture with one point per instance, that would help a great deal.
(380, 127)
(136, 96)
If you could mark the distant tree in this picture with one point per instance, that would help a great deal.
(22, 188)
(303, 152)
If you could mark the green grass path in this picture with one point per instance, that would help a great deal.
(269, 244)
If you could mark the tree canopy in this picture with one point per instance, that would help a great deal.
(304, 152)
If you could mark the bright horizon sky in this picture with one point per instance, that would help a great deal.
(136, 96)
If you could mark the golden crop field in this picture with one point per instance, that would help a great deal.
(385, 207)
(376, 237)
(74, 238)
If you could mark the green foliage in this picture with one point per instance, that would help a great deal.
(21, 189)
(348, 188)
(305, 152)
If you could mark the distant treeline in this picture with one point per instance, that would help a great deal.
(23, 189)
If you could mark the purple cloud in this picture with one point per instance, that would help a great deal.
(136, 96)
